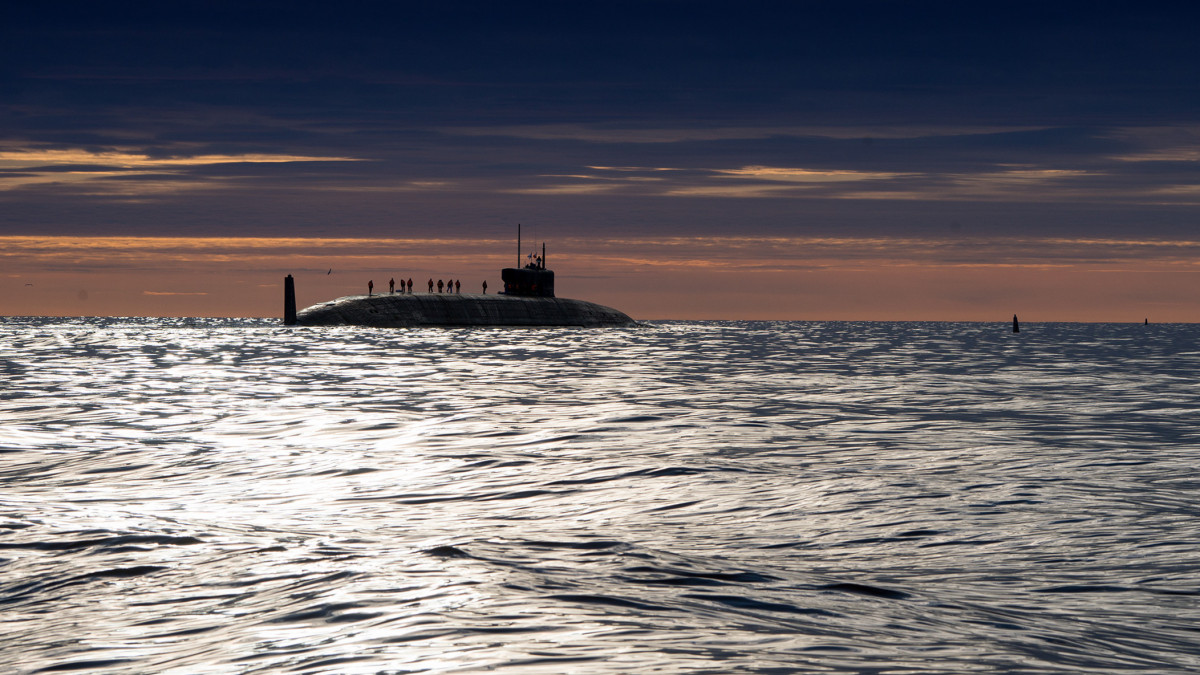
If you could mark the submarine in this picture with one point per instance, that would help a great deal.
(527, 300)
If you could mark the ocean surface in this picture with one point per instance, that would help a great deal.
(234, 496)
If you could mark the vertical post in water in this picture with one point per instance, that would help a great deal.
(289, 301)
(1016, 326)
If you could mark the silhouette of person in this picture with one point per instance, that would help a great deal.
(392, 285)
(410, 285)
(440, 285)
(458, 286)
(431, 285)
(485, 287)
(370, 287)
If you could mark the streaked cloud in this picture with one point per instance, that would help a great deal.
(123, 159)
(733, 191)
(838, 166)
(731, 252)
(772, 182)
(563, 189)
(796, 175)
(126, 173)
(1191, 154)
(637, 135)
(639, 169)
(1166, 143)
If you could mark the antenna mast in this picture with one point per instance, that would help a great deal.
(518, 246)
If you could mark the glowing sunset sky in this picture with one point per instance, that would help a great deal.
(800, 160)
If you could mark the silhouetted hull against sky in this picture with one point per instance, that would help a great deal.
(460, 310)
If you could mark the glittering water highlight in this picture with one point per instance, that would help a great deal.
(217, 496)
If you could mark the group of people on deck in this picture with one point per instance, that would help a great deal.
(452, 286)
(406, 285)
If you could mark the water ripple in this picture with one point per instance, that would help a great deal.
(214, 496)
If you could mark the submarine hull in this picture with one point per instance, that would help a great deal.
(454, 309)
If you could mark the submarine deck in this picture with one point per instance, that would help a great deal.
(397, 310)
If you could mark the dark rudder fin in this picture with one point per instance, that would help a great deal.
(289, 301)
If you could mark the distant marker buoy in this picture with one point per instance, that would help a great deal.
(1147, 322)
(289, 301)
(1016, 326)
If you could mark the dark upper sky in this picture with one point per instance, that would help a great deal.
(354, 119)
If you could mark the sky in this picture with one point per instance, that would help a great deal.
(681, 160)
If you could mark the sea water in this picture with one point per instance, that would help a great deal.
(235, 496)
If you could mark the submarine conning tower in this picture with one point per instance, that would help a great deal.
(533, 280)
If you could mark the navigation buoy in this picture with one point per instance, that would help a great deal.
(1016, 326)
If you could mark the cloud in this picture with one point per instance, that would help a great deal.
(82, 171)
(1191, 154)
(1166, 143)
(563, 189)
(634, 169)
(29, 158)
(106, 254)
(154, 253)
(795, 175)
(773, 182)
(674, 134)
(735, 253)
(735, 191)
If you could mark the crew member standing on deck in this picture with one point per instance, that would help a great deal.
(370, 287)
(392, 285)
(485, 288)
(410, 285)
(458, 286)
(431, 285)
(440, 284)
